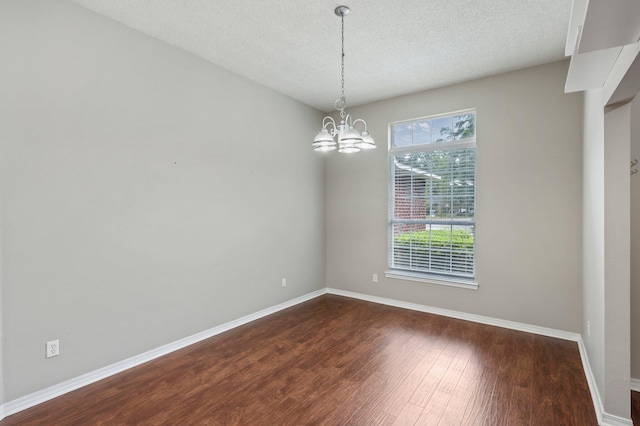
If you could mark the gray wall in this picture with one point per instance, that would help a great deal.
(635, 242)
(617, 330)
(529, 201)
(146, 194)
(1, 323)
(593, 234)
(606, 249)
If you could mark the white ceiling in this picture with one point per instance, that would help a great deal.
(392, 47)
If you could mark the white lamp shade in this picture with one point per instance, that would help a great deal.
(323, 141)
(325, 148)
(367, 141)
(348, 139)
(350, 135)
(349, 149)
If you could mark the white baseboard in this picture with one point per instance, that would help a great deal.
(591, 381)
(51, 392)
(550, 332)
(611, 420)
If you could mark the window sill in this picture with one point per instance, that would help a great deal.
(468, 284)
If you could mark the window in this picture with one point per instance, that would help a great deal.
(432, 199)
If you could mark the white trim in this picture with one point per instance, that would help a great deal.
(604, 419)
(432, 279)
(51, 392)
(550, 332)
(427, 117)
(433, 146)
(591, 381)
(635, 385)
(611, 420)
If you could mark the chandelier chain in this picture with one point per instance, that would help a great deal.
(349, 138)
(344, 101)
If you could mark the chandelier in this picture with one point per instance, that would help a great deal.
(348, 138)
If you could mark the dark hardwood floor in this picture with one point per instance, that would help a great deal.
(338, 361)
(635, 408)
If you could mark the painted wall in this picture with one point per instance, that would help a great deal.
(529, 201)
(635, 242)
(606, 249)
(147, 194)
(1, 326)
(617, 258)
(593, 233)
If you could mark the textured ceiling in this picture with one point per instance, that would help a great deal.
(392, 47)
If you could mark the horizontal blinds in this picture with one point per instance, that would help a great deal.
(432, 209)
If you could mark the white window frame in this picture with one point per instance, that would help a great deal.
(467, 282)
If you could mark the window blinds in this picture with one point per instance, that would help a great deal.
(432, 196)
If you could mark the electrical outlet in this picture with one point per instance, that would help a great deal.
(284, 282)
(53, 349)
(375, 278)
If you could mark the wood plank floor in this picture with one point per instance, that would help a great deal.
(338, 361)
(635, 408)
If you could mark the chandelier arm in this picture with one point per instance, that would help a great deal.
(329, 121)
(362, 121)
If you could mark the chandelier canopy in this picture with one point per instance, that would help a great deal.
(349, 140)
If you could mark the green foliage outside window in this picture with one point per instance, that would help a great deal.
(441, 238)
(437, 250)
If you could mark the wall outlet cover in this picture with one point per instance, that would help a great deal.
(52, 349)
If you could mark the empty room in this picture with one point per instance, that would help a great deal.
(287, 213)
